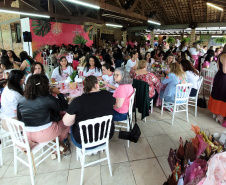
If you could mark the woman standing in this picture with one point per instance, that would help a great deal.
(93, 67)
(26, 62)
(122, 94)
(194, 52)
(133, 62)
(217, 100)
(62, 71)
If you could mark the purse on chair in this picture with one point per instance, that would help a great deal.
(133, 135)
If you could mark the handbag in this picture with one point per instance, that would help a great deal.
(133, 135)
(202, 101)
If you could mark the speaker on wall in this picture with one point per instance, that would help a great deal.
(27, 36)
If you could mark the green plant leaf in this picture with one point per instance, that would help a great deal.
(170, 40)
(220, 40)
(186, 40)
(90, 35)
(41, 28)
(86, 28)
(156, 38)
(78, 39)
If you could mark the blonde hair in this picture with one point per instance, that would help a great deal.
(142, 64)
(177, 69)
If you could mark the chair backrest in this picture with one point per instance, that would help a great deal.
(208, 75)
(131, 102)
(17, 132)
(199, 84)
(183, 92)
(89, 139)
(80, 69)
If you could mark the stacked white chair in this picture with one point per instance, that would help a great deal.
(192, 101)
(101, 143)
(21, 146)
(181, 100)
(130, 115)
(208, 77)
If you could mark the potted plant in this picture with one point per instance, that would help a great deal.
(156, 38)
(170, 40)
(220, 40)
(186, 39)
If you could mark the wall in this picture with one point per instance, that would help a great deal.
(6, 35)
(50, 33)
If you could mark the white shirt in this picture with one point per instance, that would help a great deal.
(30, 75)
(192, 78)
(150, 49)
(203, 51)
(183, 49)
(110, 81)
(193, 51)
(94, 71)
(130, 64)
(213, 66)
(65, 73)
(9, 101)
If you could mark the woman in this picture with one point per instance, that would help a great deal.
(62, 71)
(75, 62)
(133, 62)
(194, 52)
(208, 60)
(122, 94)
(26, 62)
(14, 59)
(147, 57)
(157, 56)
(93, 67)
(150, 78)
(11, 95)
(36, 68)
(3, 53)
(217, 100)
(92, 104)
(5, 63)
(176, 76)
(53, 57)
(182, 47)
(108, 78)
(192, 75)
(36, 108)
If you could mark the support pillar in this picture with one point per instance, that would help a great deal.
(152, 34)
(192, 35)
(124, 35)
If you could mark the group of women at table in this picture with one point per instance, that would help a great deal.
(40, 111)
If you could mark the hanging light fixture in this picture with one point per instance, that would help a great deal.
(24, 13)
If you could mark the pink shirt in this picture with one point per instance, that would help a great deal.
(124, 91)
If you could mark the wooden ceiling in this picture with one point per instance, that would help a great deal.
(129, 13)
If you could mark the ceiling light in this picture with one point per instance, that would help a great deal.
(214, 6)
(114, 25)
(84, 4)
(153, 22)
(24, 13)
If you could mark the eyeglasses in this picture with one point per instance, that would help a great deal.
(116, 75)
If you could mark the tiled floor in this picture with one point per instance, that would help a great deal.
(143, 163)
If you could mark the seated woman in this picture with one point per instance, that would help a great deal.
(192, 75)
(122, 94)
(92, 104)
(92, 67)
(11, 95)
(108, 78)
(39, 111)
(133, 62)
(27, 61)
(150, 78)
(62, 71)
(15, 60)
(208, 60)
(147, 57)
(75, 62)
(176, 76)
(6, 66)
(36, 68)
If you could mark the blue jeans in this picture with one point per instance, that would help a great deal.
(119, 116)
(79, 145)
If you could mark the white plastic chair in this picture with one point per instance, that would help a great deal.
(130, 115)
(182, 95)
(21, 146)
(151, 105)
(192, 101)
(91, 141)
(208, 76)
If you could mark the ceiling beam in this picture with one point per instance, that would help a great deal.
(192, 12)
(178, 10)
(7, 3)
(166, 12)
(119, 3)
(50, 6)
(222, 15)
(86, 12)
(32, 5)
(65, 6)
(142, 5)
(134, 5)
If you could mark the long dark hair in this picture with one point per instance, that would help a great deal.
(37, 85)
(60, 68)
(182, 45)
(15, 57)
(187, 66)
(107, 59)
(208, 57)
(89, 83)
(5, 61)
(96, 61)
(14, 80)
(33, 67)
(108, 66)
(145, 57)
(24, 56)
(4, 52)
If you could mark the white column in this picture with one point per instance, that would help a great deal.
(25, 26)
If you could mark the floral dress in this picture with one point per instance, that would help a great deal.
(150, 78)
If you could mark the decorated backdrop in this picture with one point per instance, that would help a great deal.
(49, 33)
